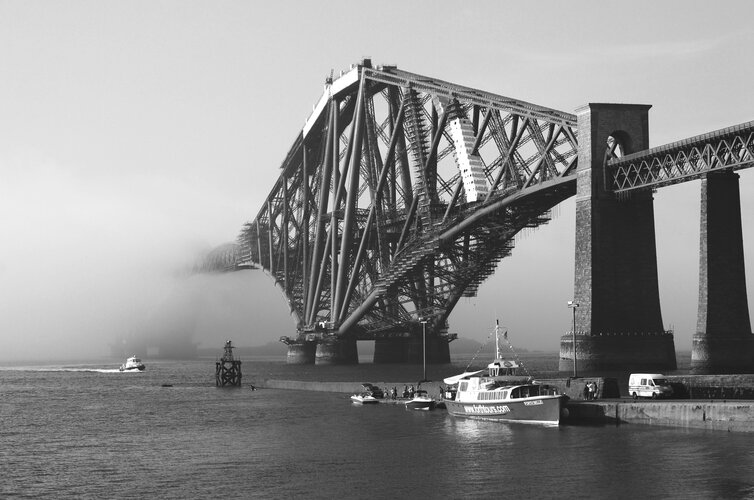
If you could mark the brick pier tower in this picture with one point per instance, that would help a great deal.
(618, 321)
(723, 340)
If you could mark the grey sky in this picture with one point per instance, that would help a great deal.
(137, 133)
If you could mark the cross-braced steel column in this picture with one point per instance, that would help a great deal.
(397, 198)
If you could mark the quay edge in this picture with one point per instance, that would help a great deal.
(720, 415)
(731, 416)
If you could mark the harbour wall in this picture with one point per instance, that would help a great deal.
(721, 387)
(713, 386)
(432, 388)
(731, 416)
(724, 415)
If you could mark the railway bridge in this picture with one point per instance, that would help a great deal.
(402, 192)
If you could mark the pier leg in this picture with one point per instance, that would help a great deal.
(301, 353)
(723, 340)
(597, 353)
(618, 321)
(409, 350)
(337, 351)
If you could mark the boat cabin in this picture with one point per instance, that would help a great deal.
(476, 389)
(502, 367)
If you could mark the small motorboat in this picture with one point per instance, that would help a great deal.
(364, 398)
(132, 364)
(421, 401)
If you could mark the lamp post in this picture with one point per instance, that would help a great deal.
(573, 305)
(424, 348)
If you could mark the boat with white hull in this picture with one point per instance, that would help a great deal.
(364, 398)
(482, 398)
(500, 394)
(421, 401)
(132, 364)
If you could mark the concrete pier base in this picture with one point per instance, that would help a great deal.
(336, 351)
(633, 352)
(301, 353)
(410, 350)
(713, 354)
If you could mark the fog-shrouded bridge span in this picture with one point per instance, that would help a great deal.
(402, 192)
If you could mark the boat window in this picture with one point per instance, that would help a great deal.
(490, 395)
(463, 385)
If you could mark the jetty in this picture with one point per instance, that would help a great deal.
(731, 415)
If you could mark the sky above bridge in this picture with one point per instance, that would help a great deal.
(137, 134)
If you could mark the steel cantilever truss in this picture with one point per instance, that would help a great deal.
(731, 148)
(400, 195)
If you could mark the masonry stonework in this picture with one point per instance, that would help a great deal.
(618, 321)
(723, 340)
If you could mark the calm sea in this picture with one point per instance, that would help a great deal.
(85, 430)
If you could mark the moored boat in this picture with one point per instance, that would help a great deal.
(501, 394)
(482, 398)
(421, 401)
(132, 364)
(364, 398)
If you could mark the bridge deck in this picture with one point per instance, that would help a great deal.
(684, 160)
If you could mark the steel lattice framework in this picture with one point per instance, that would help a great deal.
(731, 148)
(400, 195)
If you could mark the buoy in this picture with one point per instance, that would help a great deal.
(228, 369)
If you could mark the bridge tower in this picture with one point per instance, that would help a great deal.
(618, 322)
(723, 340)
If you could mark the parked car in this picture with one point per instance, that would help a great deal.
(649, 385)
(376, 391)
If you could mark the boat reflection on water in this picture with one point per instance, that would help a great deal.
(472, 431)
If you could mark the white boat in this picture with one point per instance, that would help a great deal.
(502, 395)
(364, 398)
(421, 401)
(132, 364)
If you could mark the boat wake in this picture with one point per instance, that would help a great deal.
(73, 370)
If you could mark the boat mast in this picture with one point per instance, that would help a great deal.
(497, 339)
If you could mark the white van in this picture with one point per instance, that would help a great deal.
(649, 385)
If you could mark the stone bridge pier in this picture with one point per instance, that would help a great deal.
(618, 319)
(723, 340)
(406, 347)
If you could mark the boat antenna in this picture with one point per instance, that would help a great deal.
(497, 339)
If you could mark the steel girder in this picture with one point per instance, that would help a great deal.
(731, 148)
(224, 258)
(400, 195)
